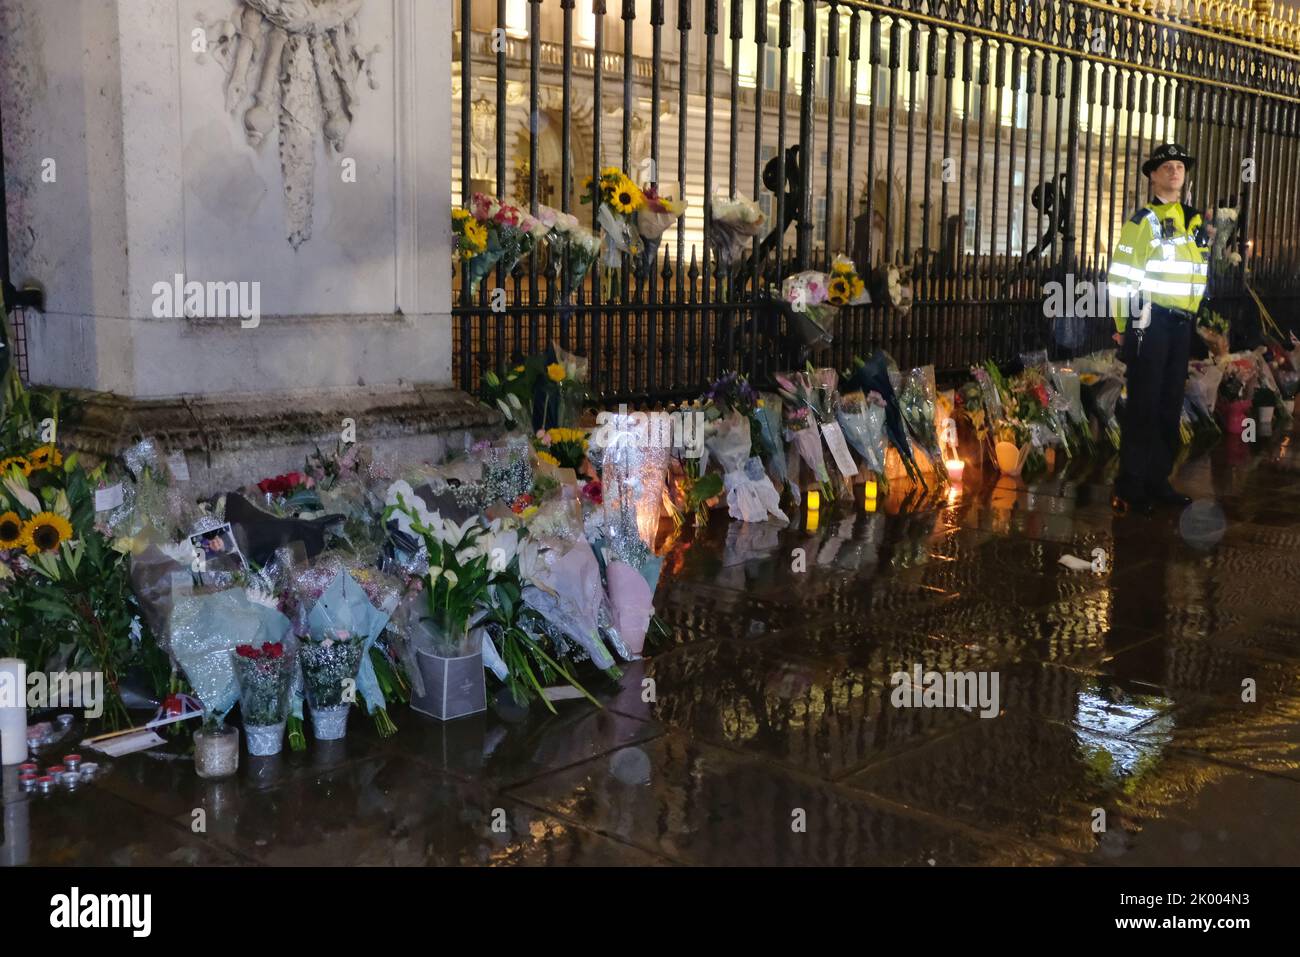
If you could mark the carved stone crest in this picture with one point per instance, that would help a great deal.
(294, 66)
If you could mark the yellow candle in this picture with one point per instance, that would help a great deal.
(869, 505)
(955, 469)
(869, 489)
(810, 522)
(814, 500)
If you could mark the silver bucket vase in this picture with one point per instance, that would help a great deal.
(264, 740)
(330, 724)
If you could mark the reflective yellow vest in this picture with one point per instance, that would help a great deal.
(1163, 266)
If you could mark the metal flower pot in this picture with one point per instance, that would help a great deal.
(453, 687)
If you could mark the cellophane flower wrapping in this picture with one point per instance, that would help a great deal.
(265, 677)
(620, 234)
(564, 587)
(343, 625)
(733, 224)
(633, 472)
(751, 497)
(916, 402)
(802, 433)
(571, 246)
(863, 424)
(770, 428)
(1203, 380)
(206, 629)
(806, 294)
(631, 603)
(359, 599)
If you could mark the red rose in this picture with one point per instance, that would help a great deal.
(1041, 392)
(277, 650)
(172, 706)
(265, 486)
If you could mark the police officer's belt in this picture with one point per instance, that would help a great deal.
(1182, 314)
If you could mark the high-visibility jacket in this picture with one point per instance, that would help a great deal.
(1162, 257)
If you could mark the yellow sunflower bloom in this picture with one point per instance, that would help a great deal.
(610, 171)
(18, 460)
(626, 198)
(45, 532)
(555, 372)
(838, 289)
(548, 458)
(458, 214)
(47, 456)
(859, 287)
(11, 530)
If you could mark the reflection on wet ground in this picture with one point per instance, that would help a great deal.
(1148, 710)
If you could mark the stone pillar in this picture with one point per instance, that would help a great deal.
(284, 165)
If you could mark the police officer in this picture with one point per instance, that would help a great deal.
(1157, 279)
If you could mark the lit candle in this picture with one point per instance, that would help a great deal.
(814, 500)
(869, 489)
(869, 505)
(13, 711)
(810, 521)
(955, 469)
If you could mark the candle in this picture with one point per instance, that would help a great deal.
(955, 469)
(869, 505)
(810, 522)
(13, 711)
(869, 489)
(814, 500)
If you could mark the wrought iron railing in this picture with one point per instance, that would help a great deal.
(986, 149)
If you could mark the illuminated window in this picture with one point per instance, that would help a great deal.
(584, 25)
(516, 18)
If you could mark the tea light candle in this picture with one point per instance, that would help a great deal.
(955, 469)
(13, 711)
(814, 500)
(869, 489)
(869, 505)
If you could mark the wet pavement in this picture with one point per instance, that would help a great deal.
(1148, 711)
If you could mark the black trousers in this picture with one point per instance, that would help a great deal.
(1157, 378)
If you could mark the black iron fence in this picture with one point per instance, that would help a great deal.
(968, 153)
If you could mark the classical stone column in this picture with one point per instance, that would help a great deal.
(239, 212)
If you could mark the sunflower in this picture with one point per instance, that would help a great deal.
(458, 214)
(555, 372)
(838, 290)
(45, 532)
(473, 239)
(626, 198)
(859, 287)
(548, 458)
(44, 457)
(11, 530)
(18, 460)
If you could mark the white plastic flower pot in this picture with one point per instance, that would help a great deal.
(264, 740)
(453, 687)
(330, 724)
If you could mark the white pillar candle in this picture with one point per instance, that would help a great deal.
(13, 711)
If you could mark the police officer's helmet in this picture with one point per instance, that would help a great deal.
(1165, 153)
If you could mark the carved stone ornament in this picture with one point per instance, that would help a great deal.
(295, 66)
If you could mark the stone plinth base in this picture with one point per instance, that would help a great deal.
(237, 439)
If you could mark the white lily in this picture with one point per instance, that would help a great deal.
(25, 498)
(451, 577)
(411, 509)
(434, 572)
(453, 534)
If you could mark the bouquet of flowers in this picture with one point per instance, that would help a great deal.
(916, 402)
(1203, 380)
(511, 393)
(690, 486)
(801, 430)
(877, 375)
(493, 233)
(1213, 329)
(1223, 248)
(768, 416)
(329, 669)
(654, 219)
(572, 247)
(559, 391)
(563, 448)
(618, 200)
(1067, 397)
(807, 294)
(290, 494)
(843, 286)
(1238, 380)
(862, 419)
(733, 224)
(751, 497)
(265, 676)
